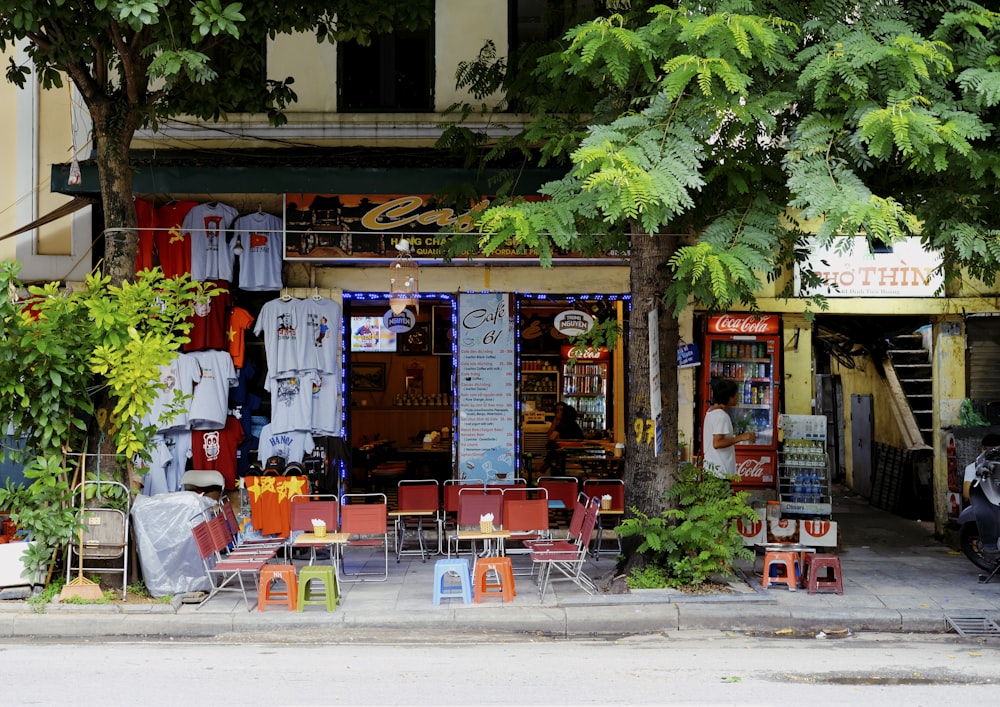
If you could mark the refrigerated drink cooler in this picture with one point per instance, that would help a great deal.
(585, 386)
(746, 349)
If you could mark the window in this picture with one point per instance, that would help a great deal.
(393, 73)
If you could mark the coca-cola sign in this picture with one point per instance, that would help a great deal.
(755, 471)
(744, 324)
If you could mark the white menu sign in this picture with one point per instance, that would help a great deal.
(486, 394)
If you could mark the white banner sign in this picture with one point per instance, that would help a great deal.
(907, 271)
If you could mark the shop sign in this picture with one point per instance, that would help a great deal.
(573, 322)
(399, 323)
(744, 324)
(352, 227)
(586, 353)
(688, 356)
(903, 270)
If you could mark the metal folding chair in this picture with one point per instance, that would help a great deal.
(104, 546)
(364, 518)
(473, 504)
(615, 489)
(303, 509)
(567, 557)
(417, 500)
(220, 570)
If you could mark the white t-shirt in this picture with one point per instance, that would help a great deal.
(326, 405)
(283, 326)
(205, 226)
(721, 462)
(210, 405)
(322, 345)
(170, 452)
(291, 446)
(260, 235)
(179, 375)
(291, 401)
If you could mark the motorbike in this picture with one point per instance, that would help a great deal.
(979, 522)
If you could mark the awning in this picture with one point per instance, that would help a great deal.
(77, 203)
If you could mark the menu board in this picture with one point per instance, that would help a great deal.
(486, 421)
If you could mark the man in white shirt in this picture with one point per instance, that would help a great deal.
(718, 439)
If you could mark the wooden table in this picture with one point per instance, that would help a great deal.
(492, 541)
(312, 541)
(399, 518)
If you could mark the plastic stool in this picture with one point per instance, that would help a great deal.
(816, 565)
(317, 573)
(785, 565)
(269, 596)
(504, 571)
(457, 566)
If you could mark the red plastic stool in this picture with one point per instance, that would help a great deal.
(786, 569)
(504, 584)
(268, 596)
(825, 565)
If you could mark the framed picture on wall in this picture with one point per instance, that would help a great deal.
(417, 340)
(441, 331)
(368, 376)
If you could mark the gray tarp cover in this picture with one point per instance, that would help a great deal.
(168, 554)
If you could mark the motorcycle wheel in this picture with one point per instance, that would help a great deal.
(968, 537)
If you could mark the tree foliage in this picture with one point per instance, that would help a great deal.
(137, 62)
(721, 126)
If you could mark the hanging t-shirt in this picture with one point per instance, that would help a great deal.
(154, 479)
(260, 236)
(326, 405)
(172, 247)
(291, 401)
(239, 321)
(210, 405)
(206, 225)
(177, 377)
(282, 323)
(210, 321)
(290, 446)
(323, 350)
(216, 449)
(145, 213)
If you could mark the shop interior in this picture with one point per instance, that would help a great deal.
(400, 387)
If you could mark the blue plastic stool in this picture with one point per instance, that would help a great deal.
(457, 566)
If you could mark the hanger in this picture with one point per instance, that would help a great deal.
(286, 296)
(260, 209)
(316, 295)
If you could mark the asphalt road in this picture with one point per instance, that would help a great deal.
(694, 668)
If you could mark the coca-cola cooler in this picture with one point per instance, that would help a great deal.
(746, 349)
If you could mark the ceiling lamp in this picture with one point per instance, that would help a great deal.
(404, 278)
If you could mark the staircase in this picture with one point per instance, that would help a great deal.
(909, 373)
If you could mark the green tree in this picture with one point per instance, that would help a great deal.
(711, 120)
(62, 350)
(136, 62)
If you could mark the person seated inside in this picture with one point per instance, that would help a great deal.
(565, 428)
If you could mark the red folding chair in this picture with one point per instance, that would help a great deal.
(613, 510)
(417, 500)
(364, 518)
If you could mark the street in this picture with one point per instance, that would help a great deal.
(367, 668)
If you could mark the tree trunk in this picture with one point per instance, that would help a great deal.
(648, 475)
(113, 131)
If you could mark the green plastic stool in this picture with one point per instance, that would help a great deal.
(318, 573)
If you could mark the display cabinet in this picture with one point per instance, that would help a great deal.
(804, 478)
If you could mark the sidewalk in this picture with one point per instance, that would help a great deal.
(897, 578)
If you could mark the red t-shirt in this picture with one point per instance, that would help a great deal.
(211, 322)
(145, 212)
(239, 321)
(171, 245)
(216, 449)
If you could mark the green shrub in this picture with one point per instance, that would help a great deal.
(698, 539)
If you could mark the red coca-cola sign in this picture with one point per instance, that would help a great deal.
(745, 324)
(755, 470)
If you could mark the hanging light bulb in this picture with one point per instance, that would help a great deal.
(403, 280)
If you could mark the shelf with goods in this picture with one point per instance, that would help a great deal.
(540, 384)
(804, 478)
(585, 388)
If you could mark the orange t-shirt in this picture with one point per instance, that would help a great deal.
(239, 321)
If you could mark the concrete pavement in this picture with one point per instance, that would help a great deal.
(897, 578)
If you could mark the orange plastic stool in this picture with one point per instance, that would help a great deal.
(786, 566)
(829, 567)
(272, 596)
(504, 584)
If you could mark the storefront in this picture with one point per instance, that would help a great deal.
(459, 382)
